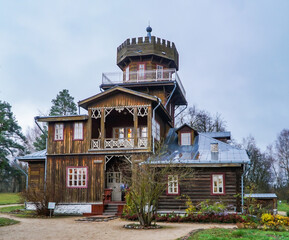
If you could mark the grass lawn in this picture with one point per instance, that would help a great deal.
(11, 209)
(9, 198)
(244, 234)
(284, 206)
(7, 221)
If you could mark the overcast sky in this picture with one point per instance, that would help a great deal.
(234, 55)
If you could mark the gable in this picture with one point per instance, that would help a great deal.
(122, 93)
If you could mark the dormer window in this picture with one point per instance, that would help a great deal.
(186, 139)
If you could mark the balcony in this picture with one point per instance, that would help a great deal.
(144, 76)
(119, 143)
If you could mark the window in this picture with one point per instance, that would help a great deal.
(218, 183)
(142, 132)
(141, 71)
(78, 131)
(127, 74)
(173, 185)
(185, 139)
(156, 130)
(76, 177)
(160, 71)
(123, 132)
(58, 131)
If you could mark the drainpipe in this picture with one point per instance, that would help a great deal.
(159, 103)
(45, 166)
(171, 94)
(242, 184)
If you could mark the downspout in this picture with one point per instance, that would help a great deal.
(171, 95)
(242, 184)
(159, 103)
(45, 166)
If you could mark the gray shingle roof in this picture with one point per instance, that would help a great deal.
(40, 155)
(199, 152)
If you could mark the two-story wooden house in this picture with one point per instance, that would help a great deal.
(134, 111)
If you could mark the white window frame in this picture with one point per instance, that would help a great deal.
(127, 73)
(141, 71)
(125, 132)
(78, 131)
(58, 131)
(186, 139)
(76, 177)
(160, 72)
(218, 183)
(173, 184)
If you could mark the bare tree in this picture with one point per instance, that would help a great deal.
(282, 152)
(202, 121)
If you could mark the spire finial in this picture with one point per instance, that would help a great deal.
(149, 30)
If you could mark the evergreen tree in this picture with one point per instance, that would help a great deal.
(40, 141)
(11, 144)
(63, 104)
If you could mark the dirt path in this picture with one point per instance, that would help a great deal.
(68, 228)
(11, 205)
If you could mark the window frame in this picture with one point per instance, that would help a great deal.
(127, 74)
(190, 138)
(68, 174)
(62, 133)
(143, 77)
(212, 184)
(78, 139)
(159, 70)
(178, 186)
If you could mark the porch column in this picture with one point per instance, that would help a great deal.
(149, 126)
(102, 128)
(135, 125)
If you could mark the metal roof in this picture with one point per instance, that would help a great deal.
(40, 155)
(261, 195)
(199, 152)
(217, 134)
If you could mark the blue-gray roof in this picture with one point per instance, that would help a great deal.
(261, 195)
(40, 155)
(199, 152)
(217, 134)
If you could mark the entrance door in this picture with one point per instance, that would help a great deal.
(113, 181)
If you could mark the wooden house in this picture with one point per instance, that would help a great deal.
(134, 111)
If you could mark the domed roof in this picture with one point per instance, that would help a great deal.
(149, 29)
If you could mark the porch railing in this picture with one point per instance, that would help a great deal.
(119, 143)
(157, 75)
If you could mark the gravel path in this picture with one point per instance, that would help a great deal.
(68, 228)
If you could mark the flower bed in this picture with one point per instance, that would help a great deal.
(198, 218)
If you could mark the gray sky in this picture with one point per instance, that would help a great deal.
(234, 55)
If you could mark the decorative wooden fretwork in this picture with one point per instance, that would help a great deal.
(95, 143)
(142, 111)
(109, 157)
(96, 113)
(142, 142)
(119, 143)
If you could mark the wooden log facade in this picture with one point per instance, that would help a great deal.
(122, 124)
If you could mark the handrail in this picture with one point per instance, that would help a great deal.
(143, 76)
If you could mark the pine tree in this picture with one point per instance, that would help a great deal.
(63, 104)
(11, 144)
(40, 141)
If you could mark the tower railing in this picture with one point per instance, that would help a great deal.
(143, 76)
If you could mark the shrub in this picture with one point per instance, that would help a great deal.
(274, 222)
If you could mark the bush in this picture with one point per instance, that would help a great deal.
(274, 222)
(287, 213)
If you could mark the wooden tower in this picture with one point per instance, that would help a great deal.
(149, 65)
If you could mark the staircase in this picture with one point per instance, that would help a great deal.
(110, 209)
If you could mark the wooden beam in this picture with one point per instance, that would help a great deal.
(135, 119)
(102, 128)
(149, 126)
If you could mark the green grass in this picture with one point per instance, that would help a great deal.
(244, 234)
(284, 206)
(9, 198)
(7, 221)
(11, 209)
